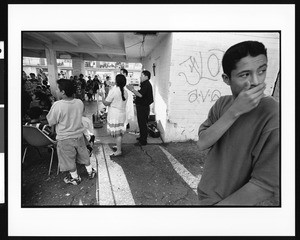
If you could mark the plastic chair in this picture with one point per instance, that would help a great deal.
(36, 138)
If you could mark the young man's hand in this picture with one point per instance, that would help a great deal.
(248, 99)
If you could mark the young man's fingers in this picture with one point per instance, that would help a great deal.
(258, 95)
(258, 88)
(256, 92)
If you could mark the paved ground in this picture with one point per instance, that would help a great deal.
(156, 174)
(149, 175)
(164, 174)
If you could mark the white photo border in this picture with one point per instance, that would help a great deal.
(152, 221)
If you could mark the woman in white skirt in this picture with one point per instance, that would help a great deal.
(116, 116)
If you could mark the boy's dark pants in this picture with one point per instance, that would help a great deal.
(142, 113)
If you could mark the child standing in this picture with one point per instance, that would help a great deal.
(66, 115)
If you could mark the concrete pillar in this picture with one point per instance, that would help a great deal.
(78, 66)
(52, 68)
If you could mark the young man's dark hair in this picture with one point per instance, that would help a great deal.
(66, 85)
(35, 112)
(240, 50)
(124, 71)
(147, 73)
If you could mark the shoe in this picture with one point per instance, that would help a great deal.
(140, 144)
(92, 174)
(70, 180)
(115, 155)
(114, 148)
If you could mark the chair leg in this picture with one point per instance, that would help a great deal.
(57, 166)
(24, 154)
(52, 150)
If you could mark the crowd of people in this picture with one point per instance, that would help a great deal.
(64, 120)
(35, 93)
(241, 130)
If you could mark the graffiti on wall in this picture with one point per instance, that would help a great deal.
(198, 68)
(204, 96)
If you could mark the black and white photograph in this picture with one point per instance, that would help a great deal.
(146, 149)
(128, 123)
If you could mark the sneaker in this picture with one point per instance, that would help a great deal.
(92, 174)
(70, 180)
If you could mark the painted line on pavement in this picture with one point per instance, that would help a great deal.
(119, 183)
(94, 163)
(189, 178)
(105, 195)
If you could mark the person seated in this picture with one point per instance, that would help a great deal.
(45, 101)
(35, 102)
(35, 121)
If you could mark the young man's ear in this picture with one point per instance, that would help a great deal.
(226, 79)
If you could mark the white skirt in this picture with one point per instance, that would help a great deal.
(116, 122)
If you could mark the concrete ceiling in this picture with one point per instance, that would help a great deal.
(92, 46)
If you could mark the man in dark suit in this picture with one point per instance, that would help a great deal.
(144, 98)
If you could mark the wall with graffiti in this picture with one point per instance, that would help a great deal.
(158, 63)
(196, 83)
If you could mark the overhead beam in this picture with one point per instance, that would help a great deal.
(39, 37)
(95, 40)
(75, 54)
(32, 53)
(67, 37)
(114, 59)
(69, 48)
(93, 55)
(89, 49)
(74, 50)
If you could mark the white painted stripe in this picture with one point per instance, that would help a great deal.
(189, 178)
(1, 105)
(120, 186)
(94, 164)
(93, 161)
(104, 188)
